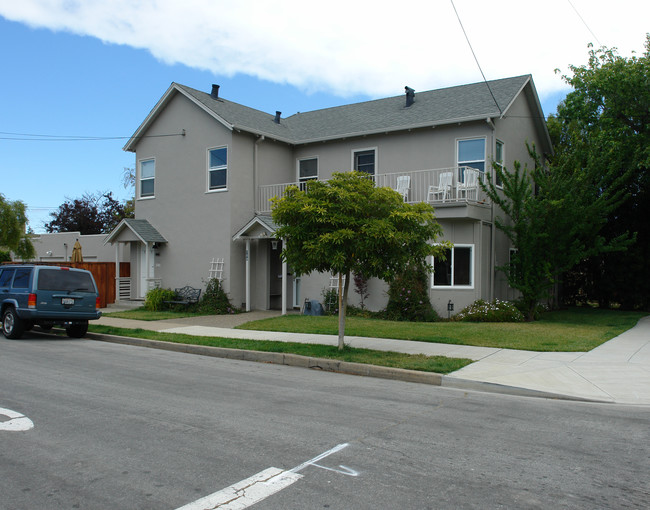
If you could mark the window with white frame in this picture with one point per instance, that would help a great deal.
(471, 153)
(457, 270)
(364, 161)
(498, 160)
(147, 177)
(307, 169)
(217, 168)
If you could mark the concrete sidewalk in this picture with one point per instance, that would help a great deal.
(617, 371)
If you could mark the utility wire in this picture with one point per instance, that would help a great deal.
(584, 22)
(476, 59)
(65, 138)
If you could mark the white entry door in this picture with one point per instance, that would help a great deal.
(146, 268)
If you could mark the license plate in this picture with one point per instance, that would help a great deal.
(67, 301)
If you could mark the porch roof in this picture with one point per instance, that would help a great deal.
(260, 227)
(142, 229)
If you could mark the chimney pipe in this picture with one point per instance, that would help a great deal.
(277, 117)
(410, 96)
(215, 91)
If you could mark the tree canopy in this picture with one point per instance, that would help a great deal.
(602, 135)
(347, 225)
(13, 228)
(97, 213)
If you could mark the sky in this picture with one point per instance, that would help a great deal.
(77, 77)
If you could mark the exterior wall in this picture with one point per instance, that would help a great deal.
(58, 247)
(194, 221)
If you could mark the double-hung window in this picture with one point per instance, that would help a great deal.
(457, 270)
(498, 160)
(364, 161)
(307, 169)
(147, 177)
(217, 168)
(471, 153)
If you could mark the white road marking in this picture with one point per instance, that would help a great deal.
(17, 422)
(247, 492)
(262, 485)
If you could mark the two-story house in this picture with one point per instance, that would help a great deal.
(206, 168)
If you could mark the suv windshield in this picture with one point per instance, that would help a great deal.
(54, 279)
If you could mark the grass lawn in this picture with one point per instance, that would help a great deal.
(575, 329)
(140, 314)
(437, 364)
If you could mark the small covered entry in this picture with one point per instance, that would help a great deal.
(144, 241)
(266, 274)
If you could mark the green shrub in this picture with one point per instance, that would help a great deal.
(153, 301)
(330, 301)
(5, 256)
(537, 312)
(408, 296)
(484, 311)
(215, 300)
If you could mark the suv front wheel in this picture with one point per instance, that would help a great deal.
(77, 330)
(12, 325)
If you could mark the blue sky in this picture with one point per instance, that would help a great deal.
(96, 68)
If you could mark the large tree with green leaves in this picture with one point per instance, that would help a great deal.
(13, 229)
(554, 219)
(602, 133)
(348, 225)
(97, 213)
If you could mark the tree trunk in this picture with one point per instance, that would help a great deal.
(343, 306)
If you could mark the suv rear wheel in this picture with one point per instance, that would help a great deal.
(12, 325)
(77, 330)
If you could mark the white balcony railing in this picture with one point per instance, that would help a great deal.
(424, 186)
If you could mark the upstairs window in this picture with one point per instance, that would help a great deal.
(457, 270)
(217, 168)
(364, 161)
(498, 160)
(147, 177)
(471, 153)
(307, 169)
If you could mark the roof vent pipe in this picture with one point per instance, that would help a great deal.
(410, 96)
(277, 117)
(215, 91)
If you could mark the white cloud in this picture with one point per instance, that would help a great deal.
(351, 47)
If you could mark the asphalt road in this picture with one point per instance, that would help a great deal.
(121, 427)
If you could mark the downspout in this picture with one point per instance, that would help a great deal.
(492, 228)
(259, 140)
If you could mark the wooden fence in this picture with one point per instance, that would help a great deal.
(104, 274)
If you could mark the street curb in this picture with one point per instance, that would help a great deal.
(329, 365)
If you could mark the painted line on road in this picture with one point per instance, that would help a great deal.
(262, 485)
(17, 422)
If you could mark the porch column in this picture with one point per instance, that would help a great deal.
(284, 285)
(248, 275)
(117, 272)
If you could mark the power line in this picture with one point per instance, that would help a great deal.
(476, 59)
(30, 137)
(584, 22)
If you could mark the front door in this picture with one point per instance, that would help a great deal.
(146, 269)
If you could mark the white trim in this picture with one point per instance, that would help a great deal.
(364, 149)
(502, 164)
(139, 178)
(472, 271)
(207, 164)
(306, 158)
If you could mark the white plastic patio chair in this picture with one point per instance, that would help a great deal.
(403, 185)
(469, 187)
(443, 190)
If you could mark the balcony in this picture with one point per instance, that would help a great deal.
(442, 187)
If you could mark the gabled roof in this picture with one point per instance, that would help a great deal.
(142, 229)
(432, 108)
(260, 226)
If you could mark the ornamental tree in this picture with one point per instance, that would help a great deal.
(347, 225)
(13, 235)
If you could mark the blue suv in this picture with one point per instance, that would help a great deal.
(46, 296)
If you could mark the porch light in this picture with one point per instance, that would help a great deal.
(274, 244)
(450, 308)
